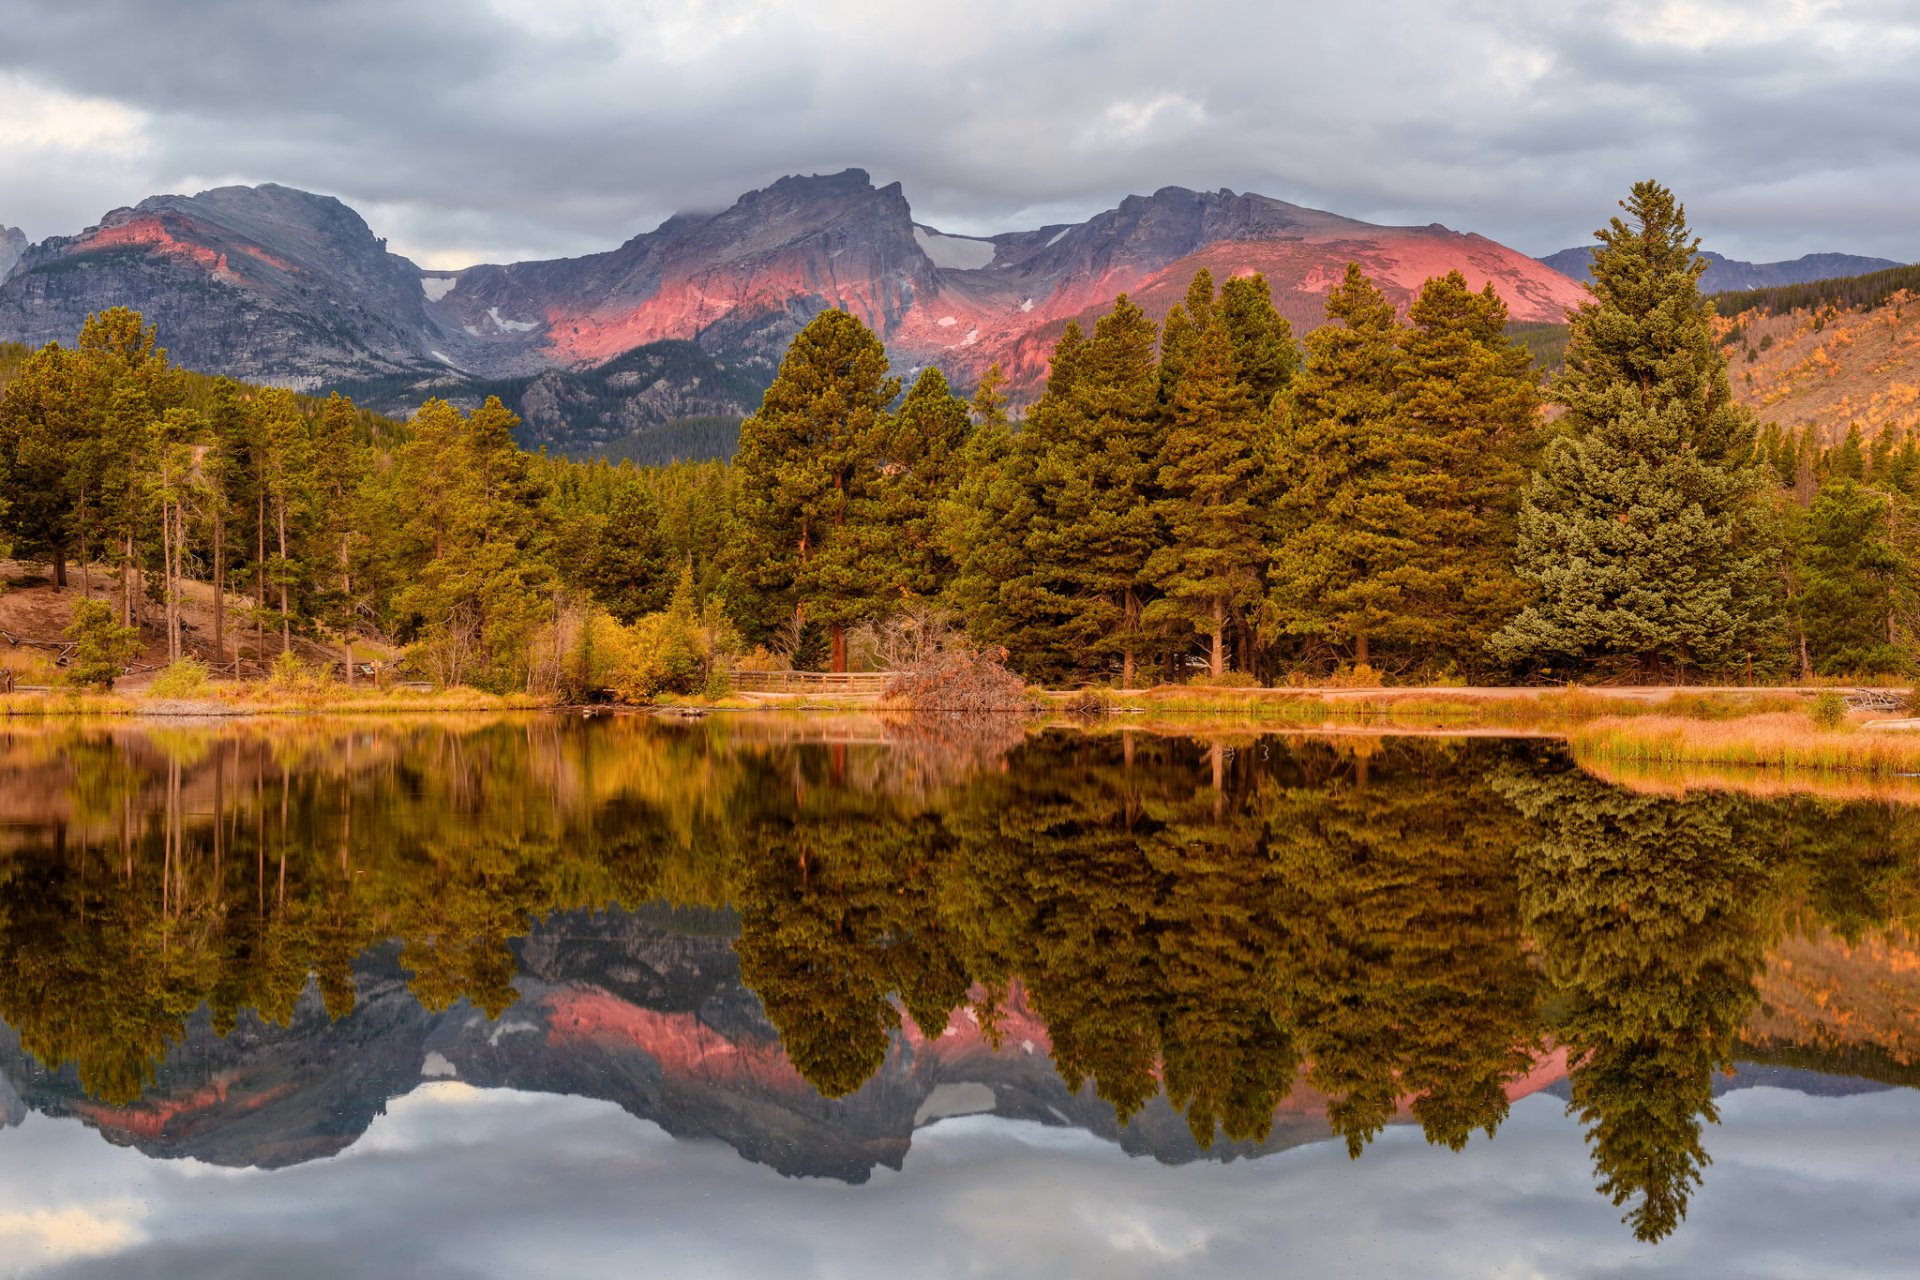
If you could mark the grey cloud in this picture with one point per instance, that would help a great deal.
(497, 132)
(456, 1184)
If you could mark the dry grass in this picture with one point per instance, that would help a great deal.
(264, 698)
(1538, 710)
(1785, 741)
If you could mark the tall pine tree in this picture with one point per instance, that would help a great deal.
(1469, 421)
(1212, 472)
(1343, 519)
(807, 464)
(1644, 531)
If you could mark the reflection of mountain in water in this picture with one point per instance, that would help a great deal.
(240, 947)
(636, 1008)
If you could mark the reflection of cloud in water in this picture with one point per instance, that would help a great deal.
(456, 1181)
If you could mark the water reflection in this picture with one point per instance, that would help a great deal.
(1232, 935)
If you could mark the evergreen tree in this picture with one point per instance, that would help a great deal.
(1096, 455)
(43, 426)
(807, 462)
(626, 568)
(1264, 355)
(1468, 414)
(1852, 582)
(1643, 530)
(1344, 516)
(1211, 481)
(923, 452)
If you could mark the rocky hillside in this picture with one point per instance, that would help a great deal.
(281, 286)
(1827, 365)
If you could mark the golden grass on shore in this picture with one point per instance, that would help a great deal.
(1783, 741)
(262, 699)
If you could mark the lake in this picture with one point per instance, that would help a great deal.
(840, 997)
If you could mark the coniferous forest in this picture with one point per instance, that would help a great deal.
(1208, 498)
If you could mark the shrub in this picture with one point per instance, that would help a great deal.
(102, 648)
(182, 678)
(960, 679)
(290, 675)
(1829, 709)
(1359, 676)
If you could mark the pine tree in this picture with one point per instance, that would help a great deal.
(627, 569)
(286, 473)
(1264, 355)
(807, 460)
(1853, 594)
(1342, 519)
(1468, 415)
(923, 451)
(1211, 478)
(43, 427)
(1095, 463)
(1644, 531)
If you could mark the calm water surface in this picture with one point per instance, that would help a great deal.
(536, 996)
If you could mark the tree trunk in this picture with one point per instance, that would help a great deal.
(286, 616)
(839, 634)
(1132, 615)
(260, 577)
(1806, 663)
(1360, 650)
(1219, 637)
(59, 568)
(219, 585)
(346, 604)
(167, 579)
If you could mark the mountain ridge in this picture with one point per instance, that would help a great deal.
(1728, 275)
(282, 286)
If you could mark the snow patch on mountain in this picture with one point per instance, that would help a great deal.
(437, 287)
(956, 253)
(511, 326)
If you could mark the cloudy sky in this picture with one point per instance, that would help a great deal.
(473, 130)
(456, 1184)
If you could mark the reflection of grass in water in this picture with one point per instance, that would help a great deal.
(1765, 754)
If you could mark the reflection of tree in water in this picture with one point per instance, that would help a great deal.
(1402, 964)
(1645, 908)
(1393, 923)
(227, 870)
(839, 912)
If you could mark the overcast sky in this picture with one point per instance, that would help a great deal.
(458, 1184)
(491, 131)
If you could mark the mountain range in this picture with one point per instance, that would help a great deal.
(1729, 275)
(688, 321)
(282, 286)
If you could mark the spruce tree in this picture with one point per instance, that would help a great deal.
(1343, 517)
(1643, 531)
(807, 462)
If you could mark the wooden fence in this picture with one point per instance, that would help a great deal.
(840, 682)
